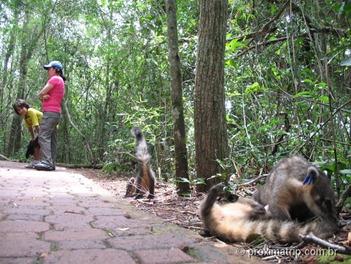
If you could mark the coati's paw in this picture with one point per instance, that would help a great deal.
(221, 189)
(231, 197)
(218, 188)
(205, 233)
(258, 211)
(139, 196)
(151, 196)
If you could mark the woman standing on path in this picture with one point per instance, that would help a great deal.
(51, 97)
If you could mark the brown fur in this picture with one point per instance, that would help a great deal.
(243, 221)
(144, 182)
(288, 198)
(130, 189)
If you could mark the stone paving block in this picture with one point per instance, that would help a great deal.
(63, 200)
(92, 256)
(33, 194)
(94, 202)
(154, 241)
(147, 229)
(58, 191)
(121, 221)
(37, 218)
(90, 233)
(29, 210)
(127, 231)
(18, 236)
(221, 253)
(8, 193)
(23, 226)
(162, 256)
(67, 209)
(84, 193)
(43, 202)
(104, 211)
(17, 260)
(80, 244)
(23, 248)
(69, 221)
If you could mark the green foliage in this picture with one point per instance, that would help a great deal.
(282, 94)
(114, 167)
(254, 88)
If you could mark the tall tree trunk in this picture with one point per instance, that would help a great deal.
(14, 142)
(66, 147)
(181, 162)
(105, 115)
(9, 52)
(4, 77)
(28, 45)
(211, 143)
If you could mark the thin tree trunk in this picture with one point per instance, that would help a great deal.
(8, 54)
(14, 142)
(4, 78)
(28, 45)
(181, 162)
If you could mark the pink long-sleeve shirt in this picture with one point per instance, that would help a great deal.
(53, 103)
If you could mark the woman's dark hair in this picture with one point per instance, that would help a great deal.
(20, 103)
(60, 72)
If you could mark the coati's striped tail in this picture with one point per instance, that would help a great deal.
(248, 230)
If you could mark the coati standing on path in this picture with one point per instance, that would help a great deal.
(298, 190)
(243, 221)
(145, 179)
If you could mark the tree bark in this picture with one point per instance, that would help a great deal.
(14, 142)
(181, 162)
(5, 72)
(9, 52)
(28, 45)
(211, 142)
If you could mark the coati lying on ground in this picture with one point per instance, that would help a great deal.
(244, 220)
(144, 182)
(298, 190)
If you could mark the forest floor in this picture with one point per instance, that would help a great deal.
(183, 211)
(167, 205)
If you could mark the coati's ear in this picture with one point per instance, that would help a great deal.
(311, 176)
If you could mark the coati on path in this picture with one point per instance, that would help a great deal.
(298, 190)
(33, 147)
(243, 220)
(144, 182)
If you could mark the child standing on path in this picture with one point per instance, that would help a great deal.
(32, 119)
(51, 97)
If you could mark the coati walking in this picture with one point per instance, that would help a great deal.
(243, 220)
(145, 179)
(298, 190)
